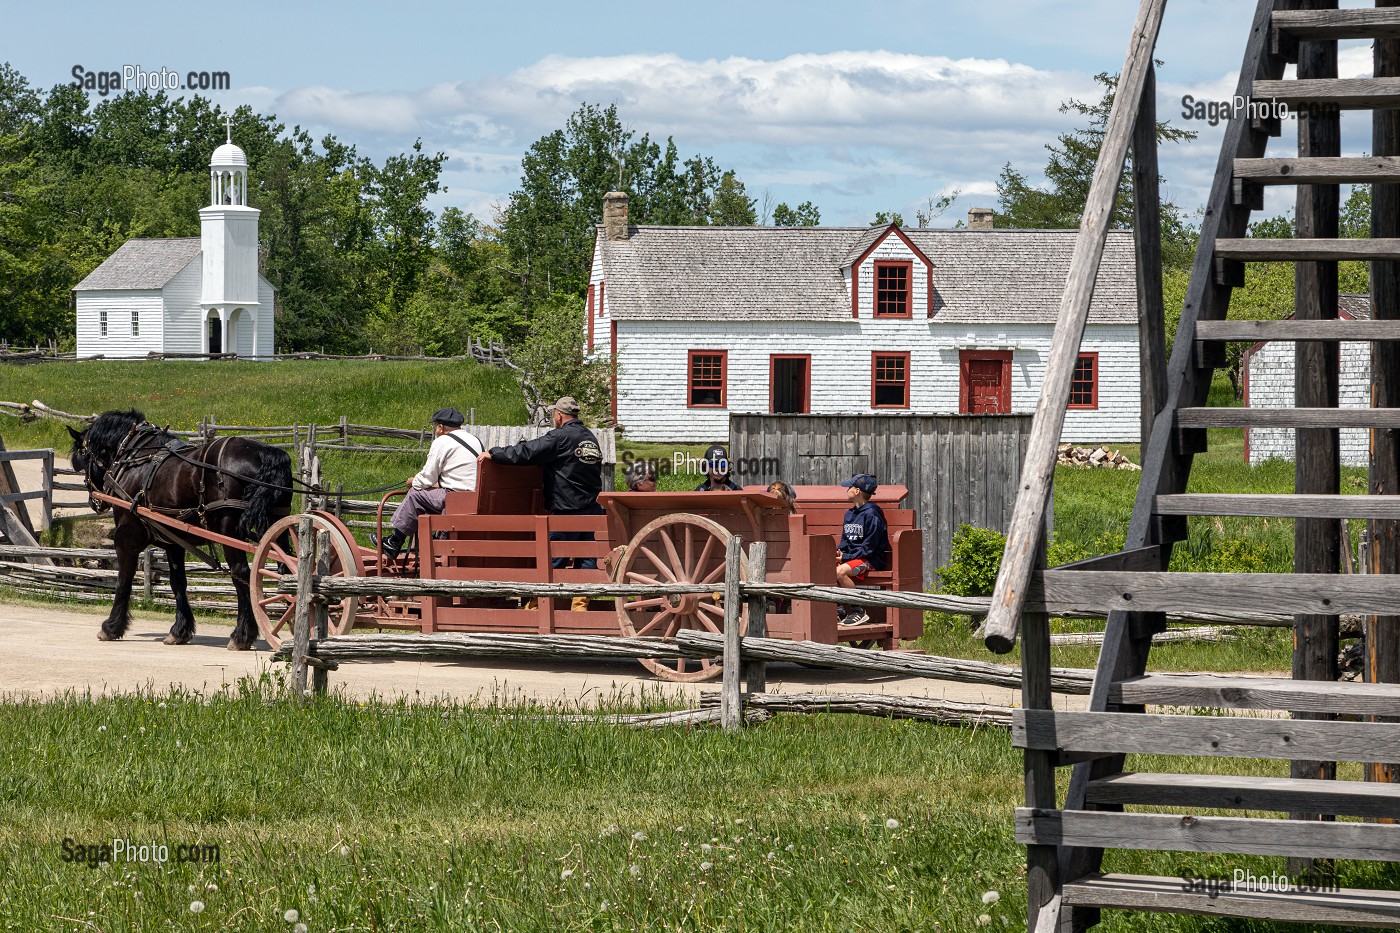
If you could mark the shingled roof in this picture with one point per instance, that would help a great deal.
(142, 264)
(796, 273)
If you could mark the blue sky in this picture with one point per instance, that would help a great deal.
(858, 108)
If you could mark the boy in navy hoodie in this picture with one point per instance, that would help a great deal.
(865, 542)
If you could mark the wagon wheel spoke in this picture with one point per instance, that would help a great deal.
(675, 625)
(269, 600)
(635, 577)
(646, 603)
(672, 553)
(689, 552)
(714, 575)
(693, 572)
(660, 616)
(284, 617)
(658, 564)
(707, 622)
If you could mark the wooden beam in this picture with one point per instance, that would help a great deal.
(1348, 907)
(1338, 24)
(1296, 505)
(1259, 249)
(1061, 591)
(1023, 533)
(1165, 832)
(1327, 93)
(1252, 331)
(1151, 557)
(1334, 170)
(1212, 736)
(1236, 792)
(1226, 691)
(1147, 239)
(1288, 418)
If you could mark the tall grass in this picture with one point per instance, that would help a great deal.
(362, 816)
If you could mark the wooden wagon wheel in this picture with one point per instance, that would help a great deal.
(275, 611)
(681, 548)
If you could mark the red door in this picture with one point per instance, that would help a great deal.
(986, 382)
(984, 387)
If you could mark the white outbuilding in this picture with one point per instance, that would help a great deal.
(185, 294)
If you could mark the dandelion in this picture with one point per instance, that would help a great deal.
(211, 886)
(889, 887)
(344, 851)
(706, 848)
(635, 870)
(771, 855)
(706, 866)
(566, 874)
(791, 848)
(639, 836)
(190, 889)
(299, 928)
(161, 704)
(143, 730)
(177, 743)
(311, 889)
(291, 916)
(990, 898)
(892, 823)
(603, 907)
(101, 728)
(196, 907)
(983, 919)
(610, 830)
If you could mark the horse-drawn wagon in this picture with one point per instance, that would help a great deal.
(502, 532)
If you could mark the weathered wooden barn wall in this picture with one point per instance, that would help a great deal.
(959, 468)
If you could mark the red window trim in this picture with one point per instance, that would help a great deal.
(588, 313)
(807, 385)
(908, 380)
(614, 370)
(1094, 388)
(964, 383)
(723, 377)
(908, 266)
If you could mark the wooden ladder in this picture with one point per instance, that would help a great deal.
(1066, 840)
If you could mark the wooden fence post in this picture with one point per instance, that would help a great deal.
(148, 586)
(731, 706)
(756, 672)
(47, 516)
(301, 622)
(319, 675)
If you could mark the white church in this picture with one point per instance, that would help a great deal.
(189, 294)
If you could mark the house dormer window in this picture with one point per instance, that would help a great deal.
(892, 287)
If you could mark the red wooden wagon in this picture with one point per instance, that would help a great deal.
(502, 532)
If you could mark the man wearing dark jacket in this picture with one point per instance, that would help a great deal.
(572, 463)
(865, 541)
(717, 471)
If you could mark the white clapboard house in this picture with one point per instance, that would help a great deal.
(1267, 372)
(185, 294)
(704, 321)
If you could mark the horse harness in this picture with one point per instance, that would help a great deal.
(136, 451)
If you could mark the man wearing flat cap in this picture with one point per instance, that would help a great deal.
(572, 463)
(450, 467)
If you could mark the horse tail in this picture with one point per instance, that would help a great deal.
(273, 490)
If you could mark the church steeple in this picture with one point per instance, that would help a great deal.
(228, 173)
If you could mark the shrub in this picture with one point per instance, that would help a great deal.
(973, 562)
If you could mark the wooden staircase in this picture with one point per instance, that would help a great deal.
(1323, 721)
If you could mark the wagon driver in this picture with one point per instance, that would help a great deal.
(450, 467)
(572, 463)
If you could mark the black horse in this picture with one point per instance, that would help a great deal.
(231, 486)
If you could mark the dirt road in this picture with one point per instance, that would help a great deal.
(49, 650)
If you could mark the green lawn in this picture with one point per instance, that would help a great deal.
(367, 817)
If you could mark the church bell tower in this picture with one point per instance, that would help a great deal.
(229, 235)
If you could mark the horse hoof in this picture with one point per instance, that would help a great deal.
(104, 635)
(173, 639)
(238, 646)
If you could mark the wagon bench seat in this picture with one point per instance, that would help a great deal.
(822, 510)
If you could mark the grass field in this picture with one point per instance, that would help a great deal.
(366, 817)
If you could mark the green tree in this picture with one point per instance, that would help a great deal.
(885, 218)
(805, 214)
(1069, 172)
(732, 207)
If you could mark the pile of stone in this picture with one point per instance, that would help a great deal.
(1093, 458)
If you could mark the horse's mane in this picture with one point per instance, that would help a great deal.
(108, 430)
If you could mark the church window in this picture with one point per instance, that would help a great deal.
(102, 323)
(136, 323)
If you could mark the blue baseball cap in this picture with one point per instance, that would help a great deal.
(864, 482)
